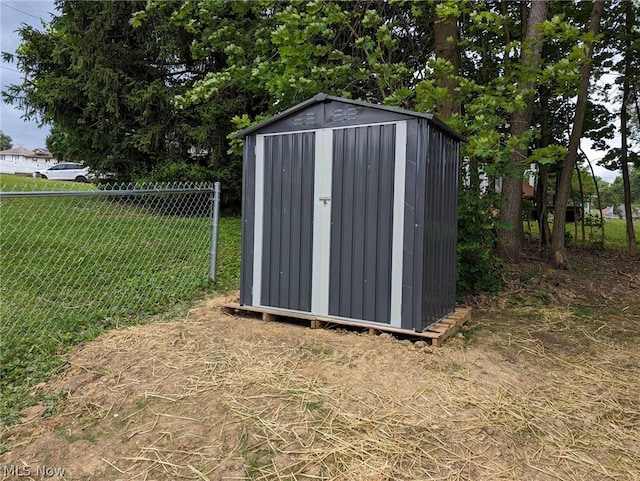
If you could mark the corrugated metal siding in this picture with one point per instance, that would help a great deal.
(451, 152)
(431, 216)
(361, 223)
(360, 245)
(248, 219)
(288, 221)
(440, 221)
(414, 225)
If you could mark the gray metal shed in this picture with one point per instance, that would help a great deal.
(349, 212)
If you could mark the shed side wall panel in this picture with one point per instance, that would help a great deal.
(421, 141)
(432, 263)
(361, 223)
(248, 219)
(451, 251)
(438, 267)
(288, 221)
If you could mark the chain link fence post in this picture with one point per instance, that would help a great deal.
(77, 259)
(214, 230)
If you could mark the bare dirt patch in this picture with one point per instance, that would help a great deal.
(543, 386)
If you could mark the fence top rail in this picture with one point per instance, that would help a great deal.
(110, 190)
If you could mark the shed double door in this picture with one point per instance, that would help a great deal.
(327, 237)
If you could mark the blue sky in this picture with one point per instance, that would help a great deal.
(27, 134)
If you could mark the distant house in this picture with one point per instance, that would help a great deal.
(618, 212)
(609, 213)
(528, 184)
(528, 190)
(24, 161)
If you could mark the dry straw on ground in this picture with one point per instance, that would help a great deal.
(536, 394)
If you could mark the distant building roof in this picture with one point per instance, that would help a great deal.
(37, 153)
(18, 151)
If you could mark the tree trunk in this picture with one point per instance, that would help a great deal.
(624, 150)
(510, 234)
(624, 167)
(558, 252)
(446, 47)
(445, 32)
(543, 173)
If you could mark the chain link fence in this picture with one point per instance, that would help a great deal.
(78, 259)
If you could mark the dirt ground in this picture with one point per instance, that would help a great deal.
(541, 384)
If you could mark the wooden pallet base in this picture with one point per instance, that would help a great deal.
(436, 334)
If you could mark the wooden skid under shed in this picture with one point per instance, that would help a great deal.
(436, 333)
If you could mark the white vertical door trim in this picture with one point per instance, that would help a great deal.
(322, 222)
(397, 243)
(258, 222)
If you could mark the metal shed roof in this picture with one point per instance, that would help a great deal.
(322, 98)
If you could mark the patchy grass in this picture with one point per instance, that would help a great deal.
(71, 267)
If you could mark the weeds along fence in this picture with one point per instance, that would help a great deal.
(76, 259)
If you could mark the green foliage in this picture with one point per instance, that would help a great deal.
(171, 170)
(621, 57)
(613, 194)
(595, 222)
(155, 90)
(478, 270)
(490, 80)
(588, 186)
(89, 75)
(593, 219)
(106, 74)
(306, 47)
(383, 52)
(6, 142)
(551, 154)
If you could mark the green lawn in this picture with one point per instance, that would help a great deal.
(22, 183)
(71, 267)
(615, 234)
(614, 231)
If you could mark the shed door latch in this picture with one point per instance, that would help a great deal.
(325, 200)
